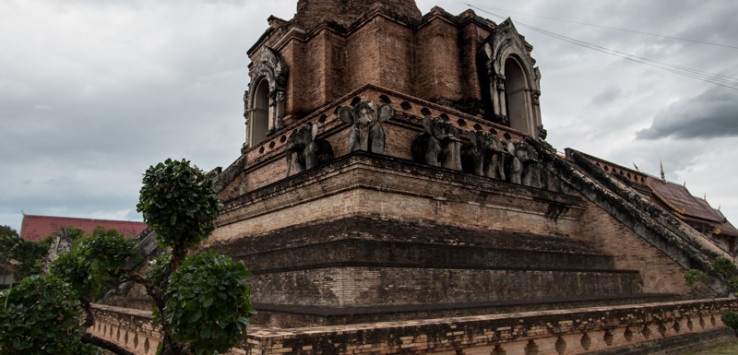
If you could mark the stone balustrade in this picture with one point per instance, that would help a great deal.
(569, 331)
(130, 328)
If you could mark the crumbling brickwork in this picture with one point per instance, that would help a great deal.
(408, 249)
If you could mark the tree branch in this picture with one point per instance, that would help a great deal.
(139, 279)
(88, 338)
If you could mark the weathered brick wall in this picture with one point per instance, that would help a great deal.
(472, 37)
(344, 13)
(437, 64)
(433, 59)
(265, 163)
(396, 190)
(395, 55)
(660, 273)
(383, 286)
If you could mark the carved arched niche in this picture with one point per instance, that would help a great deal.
(264, 100)
(510, 81)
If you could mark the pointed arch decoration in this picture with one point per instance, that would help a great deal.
(510, 80)
(265, 99)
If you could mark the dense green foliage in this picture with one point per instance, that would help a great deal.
(30, 254)
(178, 202)
(693, 276)
(94, 263)
(724, 267)
(209, 290)
(7, 230)
(730, 319)
(726, 270)
(42, 317)
(201, 302)
(76, 234)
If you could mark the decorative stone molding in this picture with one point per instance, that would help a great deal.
(270, 67)
(366, 129)
(513, 79)
(440, 143)
(569, 331)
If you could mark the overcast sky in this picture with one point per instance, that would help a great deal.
(92, 92)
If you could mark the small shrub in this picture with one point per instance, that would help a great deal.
(178, 202)
(724, 267)
(209, 290)
(43, 316)
(730, 319)
(693, 276)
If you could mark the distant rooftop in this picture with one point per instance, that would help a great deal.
(677, 198)
(36, 228)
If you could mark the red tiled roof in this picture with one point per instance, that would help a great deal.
(725, 227)
(36, 228)
(678, 198)
(673, 197)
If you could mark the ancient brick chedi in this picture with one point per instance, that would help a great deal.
(395, 169)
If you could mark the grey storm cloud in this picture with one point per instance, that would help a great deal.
(94, 92)
(714, 113)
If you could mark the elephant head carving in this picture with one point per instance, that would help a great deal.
(308, 150)
(366, 130)
(439, 143)
(484, 155)
(524, 159)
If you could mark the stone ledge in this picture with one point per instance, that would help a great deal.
(679, 344)
(300, 316)
(370, 184)
(573, 330)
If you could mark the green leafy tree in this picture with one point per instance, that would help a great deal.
(7, 230)
(29, 254)
(97, 263)
(42, 316)
(178, 202)
(726, 271)
(72, 232)
(200, 291)
(207, 289)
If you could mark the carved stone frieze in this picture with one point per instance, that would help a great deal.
(306, 149)
(366, 131)
(439, 143)
(485, 155)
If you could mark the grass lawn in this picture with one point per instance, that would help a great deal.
(725, 349)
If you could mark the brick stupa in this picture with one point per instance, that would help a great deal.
(395, 179)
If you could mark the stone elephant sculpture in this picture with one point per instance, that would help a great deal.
(308, 150)
(522, 164)
(439, 143)
(366, 130)
(484, 155)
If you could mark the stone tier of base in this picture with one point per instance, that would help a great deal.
(643, 328)
(365, 261)
(361, 286)
(368, 241)
(286, 316)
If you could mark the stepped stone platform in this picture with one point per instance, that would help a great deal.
(359, 269)
(646, 328)
(405, 202)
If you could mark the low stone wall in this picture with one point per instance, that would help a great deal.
(130, 328)
(615, 329)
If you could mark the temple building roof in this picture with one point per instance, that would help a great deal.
(681, 202)
(36, 228)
